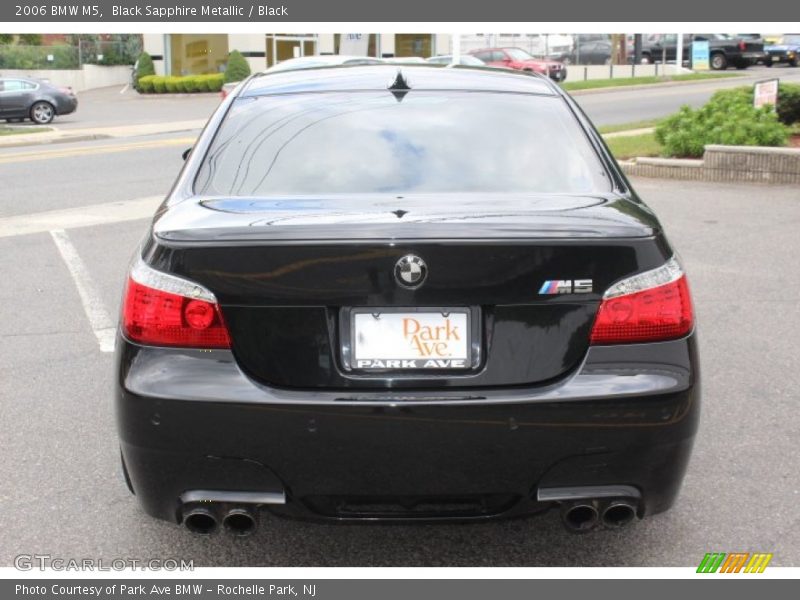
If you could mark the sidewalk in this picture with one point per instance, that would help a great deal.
(629, 132)
(98, 133)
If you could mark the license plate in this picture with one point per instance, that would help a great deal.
(411, 340)
(776, 58)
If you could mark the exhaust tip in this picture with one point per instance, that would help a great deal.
(200, 521)
(580, 518)
(240, 522)
(618, 514)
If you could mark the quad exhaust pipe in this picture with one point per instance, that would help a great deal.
(586, 507)
(203, 511)
(618, 513)
(200, 520)
(240, 521)
(205, 520)
(580, 517)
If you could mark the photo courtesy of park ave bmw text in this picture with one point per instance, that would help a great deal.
(416, 285)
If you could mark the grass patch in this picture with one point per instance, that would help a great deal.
(4, 130)
(630, 146)
(626, 81)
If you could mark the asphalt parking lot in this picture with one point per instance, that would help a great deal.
(71, 215)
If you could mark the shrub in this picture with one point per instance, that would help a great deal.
(789, 103)
(179, 85)
(189, 84)
(237, 67)
(788, 100)
(144, 66)
(213, 82)
(30, 39)
(145, 84)
(728, 118)
(175, 85)
(36, 57)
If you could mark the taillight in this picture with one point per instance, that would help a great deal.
(742, 45)
(163, 310)
(648, 307)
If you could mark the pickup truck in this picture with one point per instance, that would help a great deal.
(724, 50)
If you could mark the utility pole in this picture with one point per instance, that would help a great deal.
(679, 54)
(456, 59)
(618, 48)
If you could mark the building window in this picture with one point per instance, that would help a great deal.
(283, 46)
(363, 45)
(196, 54)
(413, 44)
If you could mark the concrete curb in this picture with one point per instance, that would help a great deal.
(55, 140)
(649, 86)
(98, 133)
(745, 164)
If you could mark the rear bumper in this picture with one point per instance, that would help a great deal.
(65, 106)
(191, 420)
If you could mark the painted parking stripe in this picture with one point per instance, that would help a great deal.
(80, 216)
(100, 321)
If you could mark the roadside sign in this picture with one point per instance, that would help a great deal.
(700, 55)
(765, 92)
(356, 44)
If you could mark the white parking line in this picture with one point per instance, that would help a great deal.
(80, 216)
(99, 319)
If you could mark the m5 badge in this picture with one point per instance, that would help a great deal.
(566, 286)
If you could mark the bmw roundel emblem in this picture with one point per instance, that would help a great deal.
(410, 271)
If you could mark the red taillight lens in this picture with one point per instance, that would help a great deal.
(156, 317)
(655, 314)
(742, 46)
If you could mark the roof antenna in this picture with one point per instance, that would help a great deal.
(399, 87)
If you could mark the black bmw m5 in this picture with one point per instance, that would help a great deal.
(416, 294)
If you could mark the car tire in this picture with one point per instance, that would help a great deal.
(42, 113)
(719, 62)
(793, 63)
(768, 64)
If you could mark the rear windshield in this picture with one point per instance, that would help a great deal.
(379, 142)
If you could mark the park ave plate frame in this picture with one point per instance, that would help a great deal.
(431, 365)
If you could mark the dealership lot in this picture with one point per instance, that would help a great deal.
(63, 494)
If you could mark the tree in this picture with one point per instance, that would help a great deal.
(6, 39)
(145, 66)
(30, 39)
(237, 68)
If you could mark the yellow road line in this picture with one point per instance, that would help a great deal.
(105, 149)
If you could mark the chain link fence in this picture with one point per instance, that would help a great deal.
(74, 56)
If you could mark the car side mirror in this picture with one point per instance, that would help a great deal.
(186, 153)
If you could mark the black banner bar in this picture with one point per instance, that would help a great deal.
(443, 11)
(384, 589)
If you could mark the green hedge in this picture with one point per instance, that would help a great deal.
(188, 84)
(729, 118)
